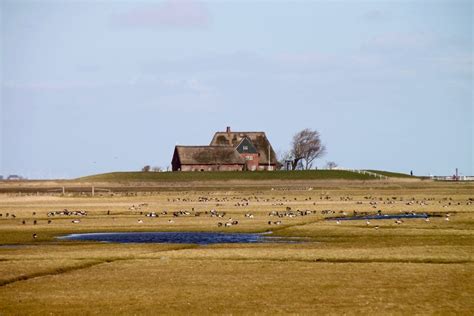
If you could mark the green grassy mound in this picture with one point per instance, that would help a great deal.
(229, 175)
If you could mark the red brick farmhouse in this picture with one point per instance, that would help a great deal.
(228, 151)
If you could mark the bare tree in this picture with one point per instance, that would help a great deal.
(305, 148)
(331, 165)
(146, 168)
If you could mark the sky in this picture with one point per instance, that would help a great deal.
(89, 87)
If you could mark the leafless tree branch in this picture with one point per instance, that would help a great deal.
(305, 148)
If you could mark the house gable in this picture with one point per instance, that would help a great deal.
(246, 146)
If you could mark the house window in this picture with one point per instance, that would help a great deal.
(248, 157)
(246, 147)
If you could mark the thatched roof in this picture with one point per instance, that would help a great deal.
(207, 155)
(258, 139)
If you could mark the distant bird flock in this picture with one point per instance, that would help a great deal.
(288, 213)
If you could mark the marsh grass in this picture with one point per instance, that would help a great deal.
(253, 286)
(348, 268)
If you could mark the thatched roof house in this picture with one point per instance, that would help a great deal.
(258, 139)
(227, 151)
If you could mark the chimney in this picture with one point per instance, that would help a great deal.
(228, 129)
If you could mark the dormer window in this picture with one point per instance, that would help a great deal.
(246, 147)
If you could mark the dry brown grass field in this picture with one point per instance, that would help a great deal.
(416, 267)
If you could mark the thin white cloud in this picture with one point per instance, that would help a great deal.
(393, 41)
(376, 15)
(49, 85)
(181, 14)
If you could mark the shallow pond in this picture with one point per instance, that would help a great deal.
(202, 238)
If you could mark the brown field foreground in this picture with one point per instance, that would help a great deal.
(351, 267)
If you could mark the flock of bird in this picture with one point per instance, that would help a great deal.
(226, 221)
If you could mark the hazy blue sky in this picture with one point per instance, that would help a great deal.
(98, 86)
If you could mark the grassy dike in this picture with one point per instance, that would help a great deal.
(229, 175)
